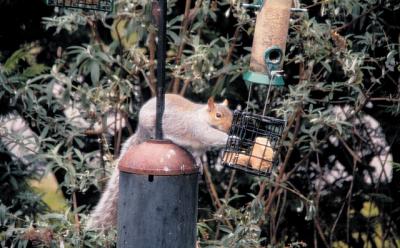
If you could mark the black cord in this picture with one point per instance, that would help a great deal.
(161, 47)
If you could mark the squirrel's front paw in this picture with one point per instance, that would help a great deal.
(234, 140)
(222, 140)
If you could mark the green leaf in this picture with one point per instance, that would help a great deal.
(11, 63)
(34, 70)
(327, 66)
(14, 183)
(174, 37)
(225, 229)
(44, 132)
(94, 72)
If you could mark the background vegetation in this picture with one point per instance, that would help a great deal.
(72, 82)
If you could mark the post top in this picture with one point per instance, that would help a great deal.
(159, 158)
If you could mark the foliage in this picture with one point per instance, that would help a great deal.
(335, 186)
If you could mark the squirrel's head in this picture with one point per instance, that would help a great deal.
(220, 116)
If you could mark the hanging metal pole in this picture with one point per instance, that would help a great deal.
(161, 47)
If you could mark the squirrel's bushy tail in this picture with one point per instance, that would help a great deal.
(104, 216)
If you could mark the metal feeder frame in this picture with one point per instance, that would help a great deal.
(254, 139)
(99, 5)
(246, 150)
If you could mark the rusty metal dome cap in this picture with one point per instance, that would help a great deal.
(159, 158)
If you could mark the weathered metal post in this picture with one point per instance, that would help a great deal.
(158, 184)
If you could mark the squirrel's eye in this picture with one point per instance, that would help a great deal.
(218, 115)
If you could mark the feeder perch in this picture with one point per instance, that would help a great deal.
(100, 5)
(256, 5)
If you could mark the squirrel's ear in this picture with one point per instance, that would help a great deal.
(211, 104)
(225, 103)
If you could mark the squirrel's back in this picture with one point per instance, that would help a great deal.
(174, 102)
(193, 126)
(176, 107)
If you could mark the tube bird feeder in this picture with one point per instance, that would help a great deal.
(269, 43)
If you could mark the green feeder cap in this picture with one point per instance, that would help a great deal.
(252, 77)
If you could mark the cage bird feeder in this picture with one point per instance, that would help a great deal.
(99, 5)
(253, 143)
(254, 139)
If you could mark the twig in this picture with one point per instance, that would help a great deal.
(318, 3)
(117, 31)
(317, 198)
(261, 191)
(280, 210)
(285, 163)
(75, 204)
(117, 125)
(284, 136)
(211, 187)
(352, 153)
(119, 138)
(348, 195)
(184, 28)
(128, 125)
(355, 19)
(232, 178)
(353, 113)
(320, 232)
(152, 88)
(152, 55)
(226, 197)
(349, 203)
(93, 132)
(227, 59)
(185, 86)
(95, 34)
(213, 192)
(217, 232)
(386, 99)
(102, 162)
(74, 199)
(295, 192)
(233, 45)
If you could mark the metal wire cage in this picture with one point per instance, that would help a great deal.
(101, 5)
(253, 143)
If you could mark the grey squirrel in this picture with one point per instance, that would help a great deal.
(196, 127)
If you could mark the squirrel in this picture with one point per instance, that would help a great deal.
(195, 127)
